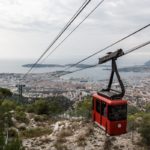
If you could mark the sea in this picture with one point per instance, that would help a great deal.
(92, 74)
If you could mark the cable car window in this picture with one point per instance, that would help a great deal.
(118, 112)
(98, 106)
(103, 109)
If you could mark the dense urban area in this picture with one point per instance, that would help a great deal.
(45, 85)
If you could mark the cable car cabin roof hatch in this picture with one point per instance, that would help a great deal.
(109, 93)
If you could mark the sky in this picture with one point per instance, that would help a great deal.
(27, 27)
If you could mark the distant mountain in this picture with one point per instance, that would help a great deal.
(147, 63)
(56, 65)
(142, 68)
(42, 65)
(80, 65)
(135, 69)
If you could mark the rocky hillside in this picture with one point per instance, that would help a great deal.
(73, 134)
(44, 125)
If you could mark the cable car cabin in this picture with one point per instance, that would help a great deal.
(110, 115)
(109, 110)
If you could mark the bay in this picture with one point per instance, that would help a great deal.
(98, 73)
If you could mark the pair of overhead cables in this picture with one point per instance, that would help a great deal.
(95, 65)
(103, 49)
(73, 65)
(59, 35)
(73, 30)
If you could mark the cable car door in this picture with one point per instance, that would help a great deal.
(103, 115)
(97, 113)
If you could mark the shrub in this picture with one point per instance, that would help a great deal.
(145, 129)
(5, 93)
(2, 140)
(15, 144)
(22, 128)
(41, 118)
(147, 108)
(131, 122)
(83, 108)
(5, 118)
(132, 110)
(20, 108)
(12, 133)
(41, 107)
(8, 105)
(35, 132)
(30, 108)
(21, 117)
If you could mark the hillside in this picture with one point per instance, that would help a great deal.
(76, 134)
(55, 123)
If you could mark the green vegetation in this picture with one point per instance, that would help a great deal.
(83, 108)
(147, 108)
(43, 109)
(21, 117)
(20, 108)
(5, 93)
(35, 132)
(132, 115)
(132, 110)
(41, 118)
(140, 121)
(14, 144)
(6, 105)
(145, 129)
(53, 106)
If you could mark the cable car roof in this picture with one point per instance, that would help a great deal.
(109, 101)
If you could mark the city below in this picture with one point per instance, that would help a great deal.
(45, 85)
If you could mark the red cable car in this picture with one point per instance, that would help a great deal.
(109, 110)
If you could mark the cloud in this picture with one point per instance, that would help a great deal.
(36, 14)
(52, 14)
(26, 14)
(30, 25)
(122, 13)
